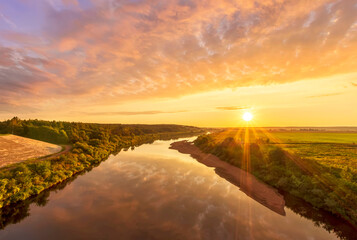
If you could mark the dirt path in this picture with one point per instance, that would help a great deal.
(66, 149)
(250, 185)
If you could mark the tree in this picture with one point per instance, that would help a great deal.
(13, 123)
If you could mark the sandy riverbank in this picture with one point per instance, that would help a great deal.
(247, 183)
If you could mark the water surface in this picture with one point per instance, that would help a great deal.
(154, 192)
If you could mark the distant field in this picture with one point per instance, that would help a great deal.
(313, 137)
(15, 149)
(338, 151)
(292, 136)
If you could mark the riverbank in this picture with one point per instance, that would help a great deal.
(324, 186)
(91, 144)
(260, 192)
(250, 185)
(22, 180)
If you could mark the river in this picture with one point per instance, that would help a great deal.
(153, 192)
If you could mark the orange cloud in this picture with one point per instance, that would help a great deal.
(230, 108)
(325, 95)
(67, 44)
(128, 113)
(109, 53)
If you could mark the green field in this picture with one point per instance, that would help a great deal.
(291, 137)
(334, 150)
(337, 156)
(316, 137)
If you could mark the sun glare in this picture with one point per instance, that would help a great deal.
(247, 116)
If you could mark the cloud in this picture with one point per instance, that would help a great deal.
(8, 21)
(117, 51)
(231, 108)
(128, 113)
(7, 106)
(325, 95)
(22, 76)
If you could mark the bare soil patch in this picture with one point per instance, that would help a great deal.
(14, 149)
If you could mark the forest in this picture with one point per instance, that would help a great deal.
(323, 184)
(92, 143)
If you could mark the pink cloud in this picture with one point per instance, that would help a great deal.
(121, 50)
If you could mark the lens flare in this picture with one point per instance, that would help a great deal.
(247, 116)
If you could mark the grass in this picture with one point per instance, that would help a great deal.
(293, 137)
(316, 137)
(337, 156)
(335, 150)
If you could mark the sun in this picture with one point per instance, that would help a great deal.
(247, 116)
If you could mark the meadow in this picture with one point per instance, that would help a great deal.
(338, 151)
(316, 137)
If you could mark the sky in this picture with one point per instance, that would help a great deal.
(193, 62)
